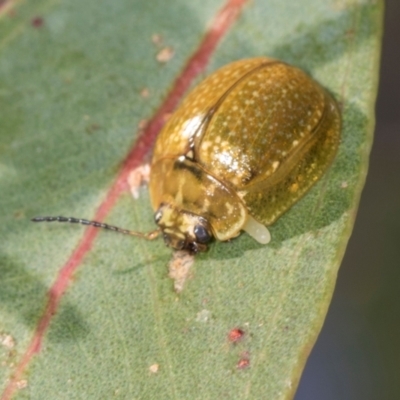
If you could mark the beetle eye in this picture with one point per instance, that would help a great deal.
(157, 217)
(201, 233)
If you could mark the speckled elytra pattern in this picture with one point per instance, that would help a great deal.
(261, 128)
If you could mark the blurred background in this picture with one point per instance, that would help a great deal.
(357, 355)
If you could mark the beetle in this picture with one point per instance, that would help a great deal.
(245, 145)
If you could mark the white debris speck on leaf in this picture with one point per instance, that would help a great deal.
(179, 268)
(165, 54)
(7, 341)
(145, 92)
(157, 39)
(154, 368)
(137, 177)
(22, 384)
(203, 316)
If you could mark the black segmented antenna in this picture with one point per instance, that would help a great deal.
(148, 236)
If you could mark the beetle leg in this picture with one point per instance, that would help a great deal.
(257, 230)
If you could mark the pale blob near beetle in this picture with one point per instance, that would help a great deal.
(240, 150)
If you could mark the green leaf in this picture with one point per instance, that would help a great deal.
(71, 76)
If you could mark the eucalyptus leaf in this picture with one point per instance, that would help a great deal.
(76, 80)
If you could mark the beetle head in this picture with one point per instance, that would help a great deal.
(183, 230)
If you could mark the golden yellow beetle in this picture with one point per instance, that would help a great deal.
(241, 149)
